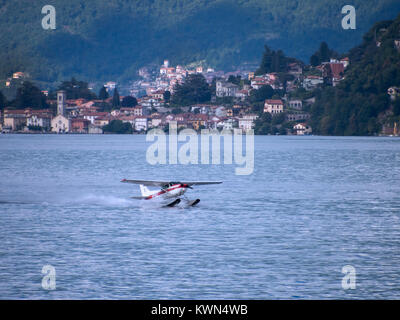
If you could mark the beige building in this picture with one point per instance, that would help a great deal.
(60, 124)
(14, 119)
(273, 106)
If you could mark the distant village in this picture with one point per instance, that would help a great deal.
(230, 106)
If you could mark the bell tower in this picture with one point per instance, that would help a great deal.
(61, 97)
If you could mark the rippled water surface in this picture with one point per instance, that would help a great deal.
(312, 206)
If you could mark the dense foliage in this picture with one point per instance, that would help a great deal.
(129, 101)
(103, 40)
(360, 105)
(273, 61)
(28, 95)
(77, 89)
(194, 89)
(3, 101)
(117, 126)
(322, 55)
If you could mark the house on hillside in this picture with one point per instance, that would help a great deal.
(226, 89)
(295, 104)
(302, 129)
(311, 82)
(273, 106)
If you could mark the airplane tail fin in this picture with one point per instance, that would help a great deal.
(145, 191)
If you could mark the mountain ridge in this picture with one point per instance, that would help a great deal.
(112, 39)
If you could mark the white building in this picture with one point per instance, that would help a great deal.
(39, 121)
(141, 124)
(302, 129)
(247, 122)
(228, 124)
(110, 86)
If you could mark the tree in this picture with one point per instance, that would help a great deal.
(103, 94)
(28, 95)
(195, 89)
(396, 107)
(265, 92)
(278, 118)
(235, 80)
(77, 89)
(263, 124)
(272, 61)
(167, 96)
(129, 102)
(176, 110)
(115, 100)
(323, 54)
(3, 101)
(117, 126)
(314, 60)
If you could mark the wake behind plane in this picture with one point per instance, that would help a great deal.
(169, 190)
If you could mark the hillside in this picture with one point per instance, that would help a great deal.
(103, 40)
(360, 104)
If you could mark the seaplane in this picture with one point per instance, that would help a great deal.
(168, 190)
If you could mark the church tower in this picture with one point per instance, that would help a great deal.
(61, 97)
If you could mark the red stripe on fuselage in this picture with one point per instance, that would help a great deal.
(174, 187)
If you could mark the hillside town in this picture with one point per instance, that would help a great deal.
(232, 104)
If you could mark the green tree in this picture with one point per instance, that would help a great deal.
(28, 95)
(167, 96)
(323, 54)
(129, 102)
(176, 110)
(273, 61)
(278, 118)
(103, 94)
(265, 92)
(115, 100)
(194, 89)
(117, 126)
(235, 80)
(77, 89)
(3, 101)
(314, 60)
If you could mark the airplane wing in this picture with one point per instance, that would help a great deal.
(199, 183)
(158, 183)
(147, 182)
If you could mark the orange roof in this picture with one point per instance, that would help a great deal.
(273, 101)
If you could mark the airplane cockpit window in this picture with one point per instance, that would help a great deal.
(168, 185)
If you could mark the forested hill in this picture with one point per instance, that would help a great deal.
(110, 39)
(360, 104)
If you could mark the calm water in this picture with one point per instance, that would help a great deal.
(312, 206)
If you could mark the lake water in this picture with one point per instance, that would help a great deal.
(312, 206)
